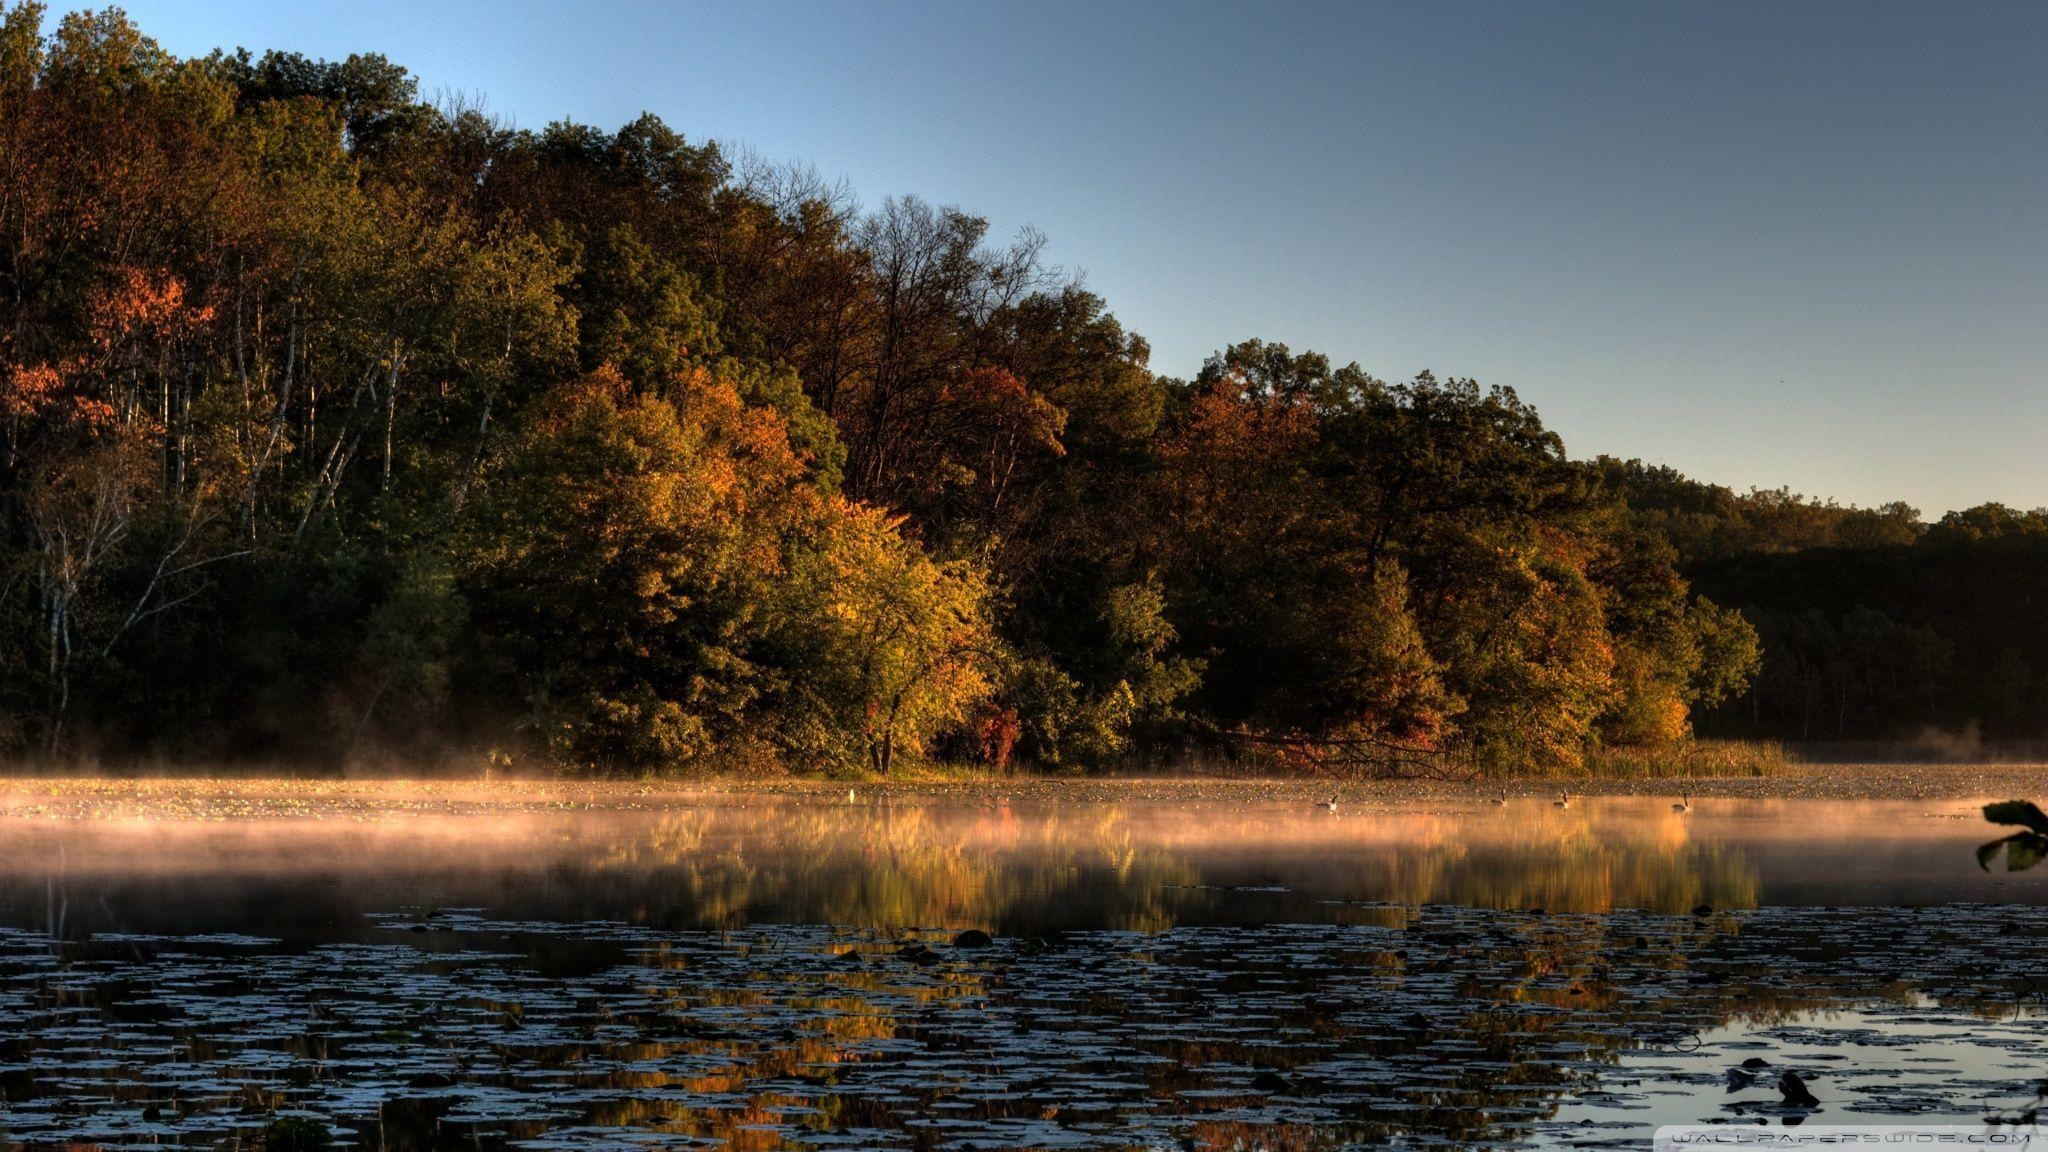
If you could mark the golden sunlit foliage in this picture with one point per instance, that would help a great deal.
(335, 423)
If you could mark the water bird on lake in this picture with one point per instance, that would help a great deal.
(1684, 804)
(1564, 800)
(1797, 1094)
(1501, 799)
(1329, 805)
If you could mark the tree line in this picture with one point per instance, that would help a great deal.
(1875, 625)
(337, 423)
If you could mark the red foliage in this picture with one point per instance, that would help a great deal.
(998, 730)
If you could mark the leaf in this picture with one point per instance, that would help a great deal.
(2020, 812)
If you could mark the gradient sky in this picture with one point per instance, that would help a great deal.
(1767, 244)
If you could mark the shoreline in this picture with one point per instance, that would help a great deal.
(1818, 782)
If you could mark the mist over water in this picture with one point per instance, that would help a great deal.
(526, 965)
(715, 860)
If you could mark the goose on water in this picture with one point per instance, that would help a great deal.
(1564, 800)
(1502, 798)
(1684, 804)
(1329, 805)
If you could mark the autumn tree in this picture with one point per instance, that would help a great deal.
(616, 555)
(883, 648)
(1413, 567)
(338, 422)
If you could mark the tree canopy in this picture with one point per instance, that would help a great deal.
(337, 423)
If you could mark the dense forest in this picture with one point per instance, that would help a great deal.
(336, 424)
(1874, 625)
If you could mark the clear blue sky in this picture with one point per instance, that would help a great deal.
(1774, 243)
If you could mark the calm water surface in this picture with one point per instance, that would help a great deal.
(457, 969)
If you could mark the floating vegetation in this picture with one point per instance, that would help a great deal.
(1450, 1023)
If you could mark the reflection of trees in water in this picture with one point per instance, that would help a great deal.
(1109, 866)
(1024, 869)
(833, 1032)
(899, 867)
(1556, 862)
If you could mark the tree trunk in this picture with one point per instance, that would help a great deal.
(889, 734)
(390, 416)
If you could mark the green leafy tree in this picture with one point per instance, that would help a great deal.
(883, 647)
(618, 556)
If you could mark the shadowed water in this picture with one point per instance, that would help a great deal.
(624, 968)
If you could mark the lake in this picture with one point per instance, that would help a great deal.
(1167, 965)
